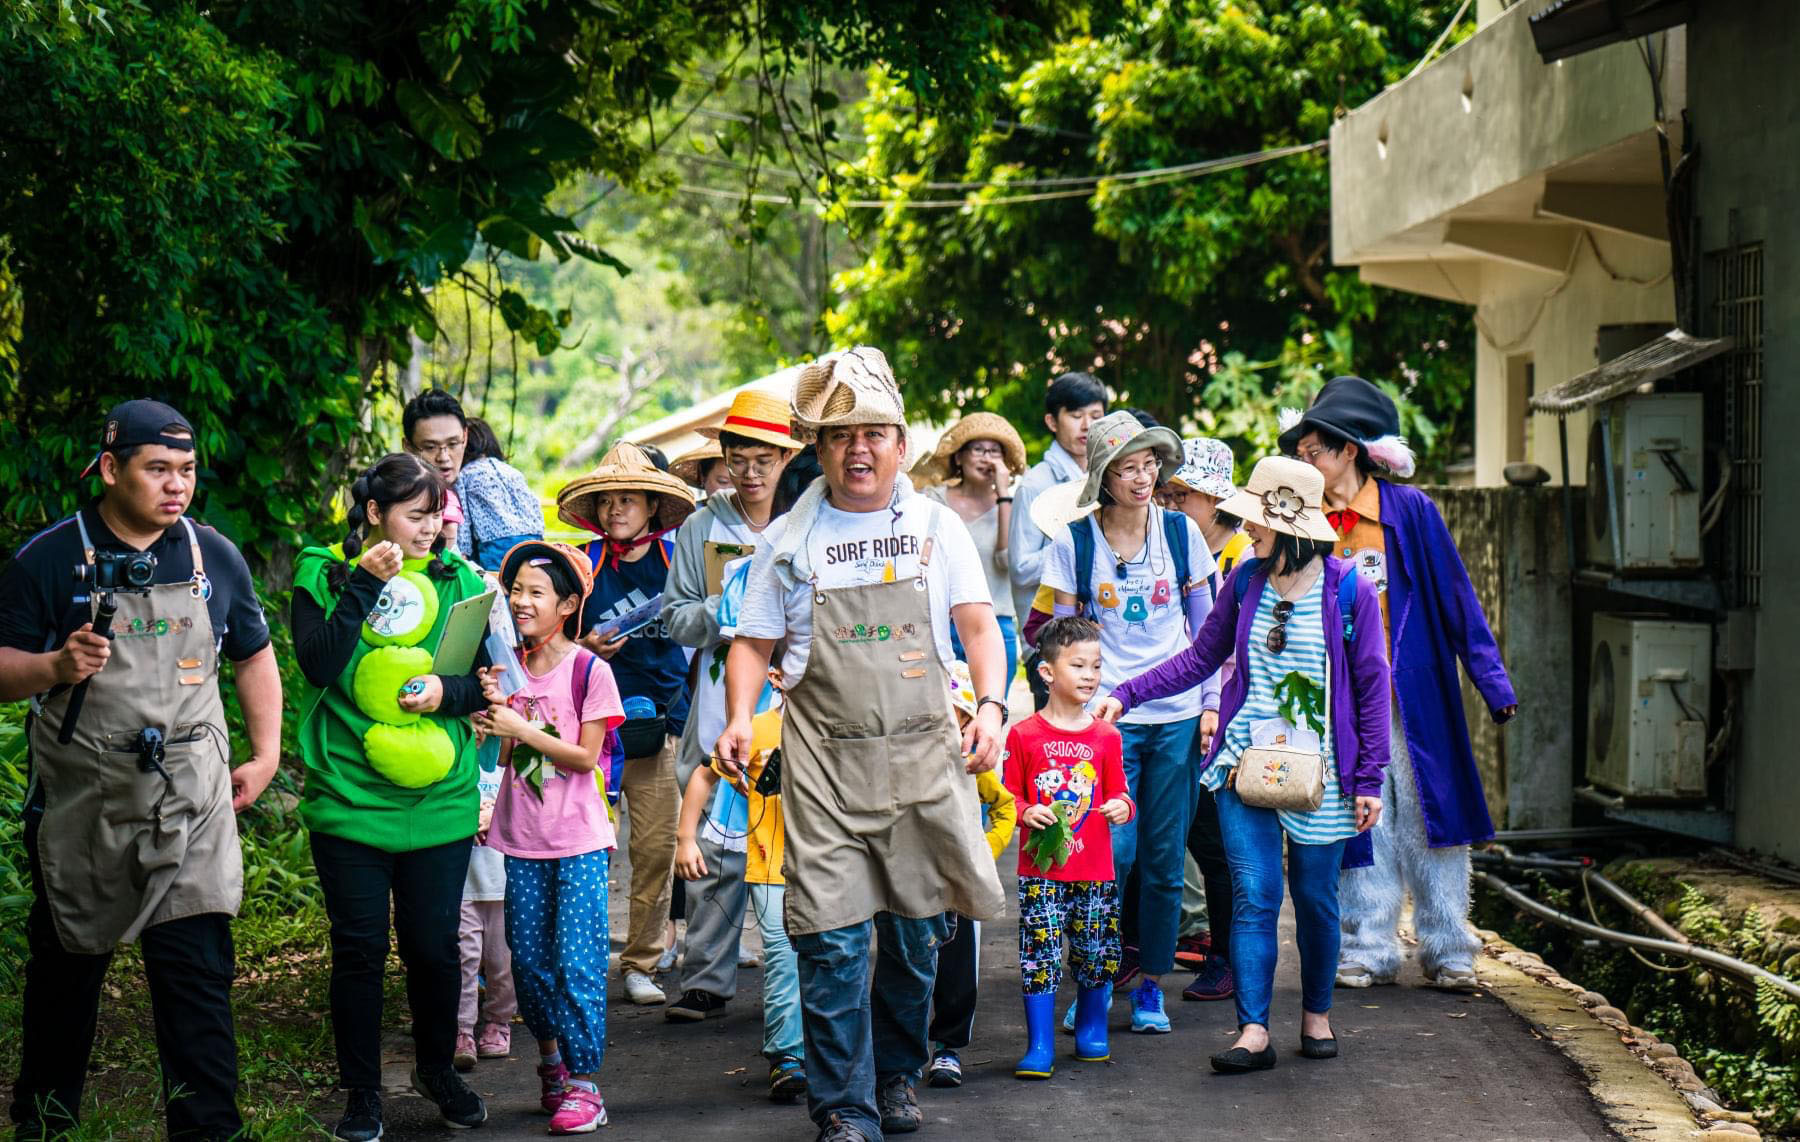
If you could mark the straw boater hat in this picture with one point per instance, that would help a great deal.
(850, 386)
(1119, 434)
(1055, 508)
(625, 469)
(687, 465)
(935, 468)
(759, 416)
(1284, 494)
(1206, 467)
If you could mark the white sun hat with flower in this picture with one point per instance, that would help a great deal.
(1284, 494)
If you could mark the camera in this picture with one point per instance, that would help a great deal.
(118, 571)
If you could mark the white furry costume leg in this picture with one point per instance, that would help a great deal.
(1439, 880)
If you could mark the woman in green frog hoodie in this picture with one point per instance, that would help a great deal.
(390, 795)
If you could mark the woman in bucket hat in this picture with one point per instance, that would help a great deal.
(632, 506)
(1142, 573)
(756, 441)
(1311, 673)
(1397, 539)
(972, 470)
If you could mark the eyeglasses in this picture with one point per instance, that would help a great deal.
(440, 448)
(742, 466)
(1276, 642)
(983, 448)
(1137, 471)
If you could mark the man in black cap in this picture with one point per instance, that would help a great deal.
(113, 623)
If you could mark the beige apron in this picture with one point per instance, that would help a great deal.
(879, 814)
(122, 849)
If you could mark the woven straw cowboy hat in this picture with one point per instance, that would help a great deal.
(850, 386)
(1055, 508)
(1120, 434)
(1206, 467)
(625, 468)
(687, 465)
(935, 468)
(759, 416)
(1284, 494)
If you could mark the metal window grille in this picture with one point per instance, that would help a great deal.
(1738, 314)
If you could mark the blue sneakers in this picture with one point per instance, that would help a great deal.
(1147, 1016)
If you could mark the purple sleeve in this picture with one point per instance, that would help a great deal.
(1369, 680)
(1464, 622)
(1200, 605)
(1192, 666)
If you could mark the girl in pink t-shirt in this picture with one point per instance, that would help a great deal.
(550, 820)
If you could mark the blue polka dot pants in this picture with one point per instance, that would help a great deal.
(556, 927)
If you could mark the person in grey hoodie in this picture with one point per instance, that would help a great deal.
(757, 441)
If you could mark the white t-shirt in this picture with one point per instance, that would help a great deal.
(850, 549)
(1143, 616)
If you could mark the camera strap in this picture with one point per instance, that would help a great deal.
(202, 586)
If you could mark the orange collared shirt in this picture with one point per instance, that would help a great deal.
(1362, 542)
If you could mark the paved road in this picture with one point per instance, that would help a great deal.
(1416, 1064)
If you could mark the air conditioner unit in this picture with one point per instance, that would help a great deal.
(1644, 482)
(1648, 694)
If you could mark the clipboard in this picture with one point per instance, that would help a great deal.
(717, 556)
(464, 629)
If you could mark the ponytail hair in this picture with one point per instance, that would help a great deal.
(397, 478)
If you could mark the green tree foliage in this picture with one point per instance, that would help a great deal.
(1207, 300)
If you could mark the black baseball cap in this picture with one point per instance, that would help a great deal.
(141, 422)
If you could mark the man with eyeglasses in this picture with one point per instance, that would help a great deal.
(756, 441)
(861, 583)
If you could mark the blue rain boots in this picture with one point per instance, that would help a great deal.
(1040, 1038)
(1091, 1006)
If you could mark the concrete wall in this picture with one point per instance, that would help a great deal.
(1746, 119)
(1511, 541)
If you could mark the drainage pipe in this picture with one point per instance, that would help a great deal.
(1682, 948)
(1647, 915)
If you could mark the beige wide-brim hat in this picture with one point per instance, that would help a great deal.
(1119, 434)
(686, 466)
(935, 468)
(1058, 506)
(1284, 494)
(849, 386)
(759, 416)
(625, 468)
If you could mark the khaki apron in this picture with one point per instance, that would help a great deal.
(121, 849)
(879, 814)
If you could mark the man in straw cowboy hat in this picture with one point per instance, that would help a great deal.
(632, 505)
(1398, 540)
(863, 581)
(755, 441)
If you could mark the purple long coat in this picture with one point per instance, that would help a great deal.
(1359, 673)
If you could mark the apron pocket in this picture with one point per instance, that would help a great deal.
(924, 764)
(880, 775)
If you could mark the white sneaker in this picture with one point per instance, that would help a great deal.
(1454, 977)
(669, 959)
(1356, 975)
(642, 990)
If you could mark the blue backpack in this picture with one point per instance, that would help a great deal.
(1240, 583)
(1174, 534)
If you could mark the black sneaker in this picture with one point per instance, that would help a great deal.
(458, 1106)
(362, 1117)
(898, 1104)
(945, 1069)
(693, 1006)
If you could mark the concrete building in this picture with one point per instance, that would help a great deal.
(1587, 176)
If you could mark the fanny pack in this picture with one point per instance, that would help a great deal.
(644, 737)
(1278, 777)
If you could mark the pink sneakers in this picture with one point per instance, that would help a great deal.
(554, 1082)
(464, 1059)
(582, 1112)
(495, 1041)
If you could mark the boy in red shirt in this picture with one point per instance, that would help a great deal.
(1066, 769)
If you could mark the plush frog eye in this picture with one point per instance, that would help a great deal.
(405, 612)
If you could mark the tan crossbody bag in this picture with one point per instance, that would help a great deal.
(1281, 777)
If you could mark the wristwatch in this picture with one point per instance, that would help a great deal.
(1004, 712)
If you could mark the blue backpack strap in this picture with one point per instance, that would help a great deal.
(1347, 604)
(1083, 534)
(1175, 535)
(1240, 577)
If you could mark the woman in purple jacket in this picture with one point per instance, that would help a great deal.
(1303, 678)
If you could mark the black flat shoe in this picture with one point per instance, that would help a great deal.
(1239, 1061)
(1311, 1048)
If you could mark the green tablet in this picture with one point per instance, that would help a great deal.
(463, 632)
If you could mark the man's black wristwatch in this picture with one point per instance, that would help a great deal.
(1004, 712)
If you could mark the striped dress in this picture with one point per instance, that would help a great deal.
(1335, 818)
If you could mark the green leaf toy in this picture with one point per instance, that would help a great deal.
(528, 762)
(1301, 697)
(1050, 847)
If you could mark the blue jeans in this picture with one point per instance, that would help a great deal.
(853, 1039)
(556, 926)
(1253, 841)
(1008, 636)
(1160, 774)
(489, 552)
(781, 976)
